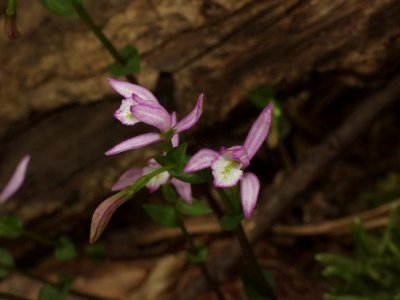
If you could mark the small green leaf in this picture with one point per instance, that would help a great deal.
(196, 208)
(163, 214)
(194, 178)
(50, 292)
(230, 222)
(261, 96)
(65, 282)
(169, 193)
(65, 249)
(198, 256)
(132, 62)
(11, 227)
(6, 263)
(64, 8)
(251, 289)
(96, 252)
(176, 156)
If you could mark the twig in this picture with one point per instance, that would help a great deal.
(306, 172)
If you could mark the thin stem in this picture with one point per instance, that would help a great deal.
(248, 253)
(7, 296)
(87, 19)
(202, 265)
(11, 7)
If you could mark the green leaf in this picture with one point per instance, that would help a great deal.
(261, 96)
(365, 245)
(194, 178)
(65, 282)
(198, 256)
(65, 249)
(252, 290)
(96, 252)
(11, 227)
(176, 156)
(234, 199)
(50, 292)
(6, 263)
(64, 8)
(230, 222)
(163, 214)
(197, 208)
(132, 62)
(169, 193)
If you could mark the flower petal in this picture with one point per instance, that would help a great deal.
(226, 171)
(123, 113)
(152, 114)
(258, 132)
(184, 189)
(157, 180)
(126, 89)
(201, 160)
(127, 178)
(175, 137)
(191, 119)
(16, 180)
(238, 153)
(249, 189)
(135, 143)
(103, 213)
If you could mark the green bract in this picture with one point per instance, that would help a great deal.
(6, 263)
(163, 214)
(132, 63)
(65, 249)
(11, 227)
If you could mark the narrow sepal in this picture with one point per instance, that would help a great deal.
(201, 160)
(135, 143)
(258, 131)
(127, 178)
(249, 189)
(16, 180)
(191, 119)
(127, 89)
(184, 189)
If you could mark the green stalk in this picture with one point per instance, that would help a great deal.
(87, 19)
(248, 253)
(11, 7)
(202, 265)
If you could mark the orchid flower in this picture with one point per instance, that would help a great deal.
(228, 164)
(184, 189)
(140, 105)
(15, 181)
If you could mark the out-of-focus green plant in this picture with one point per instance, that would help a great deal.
(373, 273)
(385, 190)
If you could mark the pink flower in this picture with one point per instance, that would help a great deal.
(184, 189)
(228, 164)
(140, 105)
(15, 181)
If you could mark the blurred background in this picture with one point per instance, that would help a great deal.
(330, 67)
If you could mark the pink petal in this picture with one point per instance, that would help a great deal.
(127, 178)
(103, 213)
(152, 114)
(249, 189)
(184, 189)
(238, 153)
(175, 137)
(258, 132)
(191, 119)
(16, 180)
(157, 180)
(135, 143)
(126, 89)
(201, 160)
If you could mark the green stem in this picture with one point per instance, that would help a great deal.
(7, 296)
(11, 7)
(202, 265)
(87, 19)
(248, 253)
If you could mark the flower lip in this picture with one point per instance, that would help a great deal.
(227, 172)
